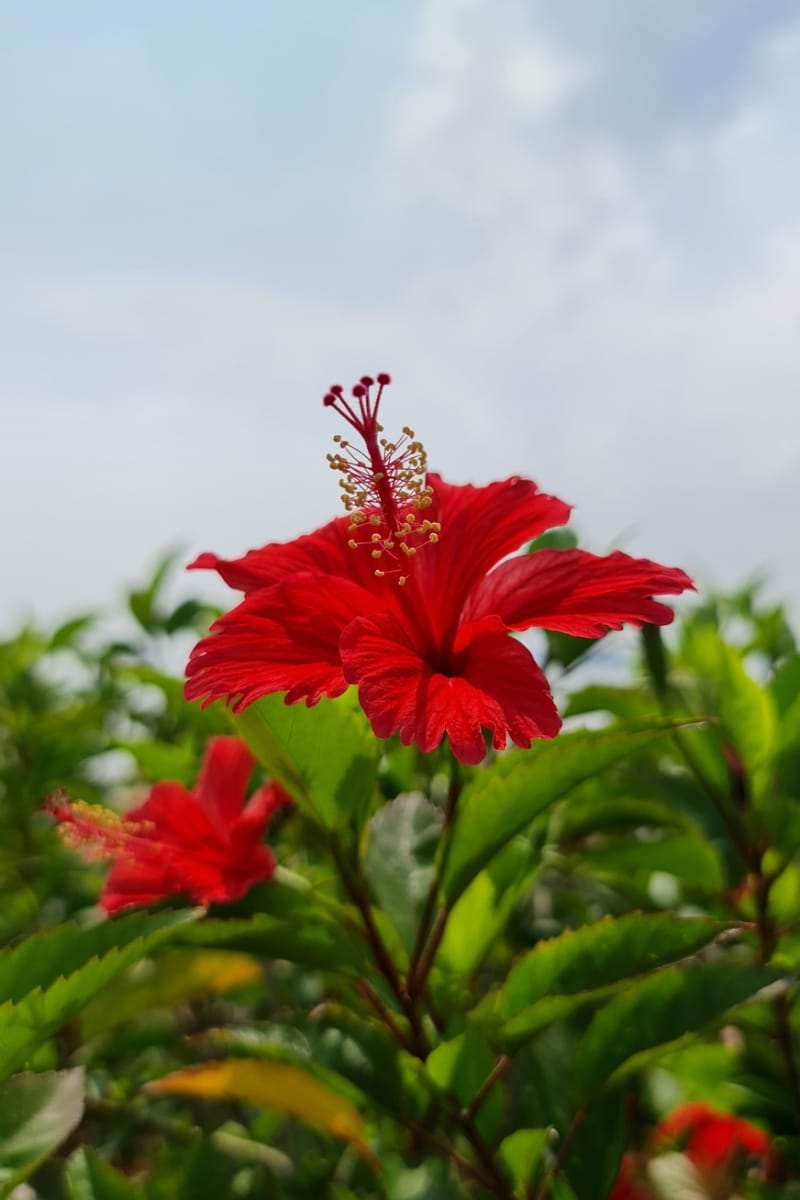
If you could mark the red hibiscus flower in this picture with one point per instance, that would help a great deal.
(412, 597)
(205, 843)
(711, 1139)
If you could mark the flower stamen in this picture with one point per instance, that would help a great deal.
(384, 485)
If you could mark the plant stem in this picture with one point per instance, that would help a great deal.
(386, 1015)
(383, 961)
(421, 956)
(497, 1072)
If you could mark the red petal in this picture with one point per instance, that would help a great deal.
(572, 591)
(261, 807)
(323, 552)
(480, 526)
(135, 882)
(283, 639)
(494, 684)
(171, 816)
(145, 881)
(222, 784)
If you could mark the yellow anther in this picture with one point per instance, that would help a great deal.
(376, 553)
(433, 538)
(380, 574)
(353, 544)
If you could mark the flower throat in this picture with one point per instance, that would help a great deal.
(384, 484)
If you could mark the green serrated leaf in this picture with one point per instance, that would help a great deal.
(43, 958)
(325, 756)
(503, 800)
(603, 953)
(307, 938)
(660, 1009)
(55, 998)
(37, 1113)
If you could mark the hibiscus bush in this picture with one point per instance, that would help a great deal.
(388, 901)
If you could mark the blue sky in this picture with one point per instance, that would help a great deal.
(570, 231)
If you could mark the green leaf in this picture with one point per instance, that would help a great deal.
(655, 657)
(531, 1021)
(459, 1067)
(521, 1153)
(307, 937)
(660, 1009)
(746, 710)
(89, 1177)
(142, 603)
(403, 836)
(38, 1112)
(482, 910)
(185, 616)
(43, 958)
(365, 1054)
(503, 800)
(326, 756)
(67, 634)
(603, 953)
(624, 703)
(692, 860)
(596, 809)
(593, 1152)
(46, 998)
(158, 761)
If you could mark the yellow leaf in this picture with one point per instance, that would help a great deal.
(279, 1085)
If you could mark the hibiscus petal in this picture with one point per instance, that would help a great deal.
(172, 816)
(282, 639)
(326, 551)
(480, 526)
(222, 783)
(134, 881)
(494, 684)
(261, 807)
(572, 591)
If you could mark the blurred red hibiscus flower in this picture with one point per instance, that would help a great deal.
(205, 843)
(712, 1139)
(722, 1149)
(412, 597)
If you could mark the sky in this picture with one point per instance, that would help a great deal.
(570, 231)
